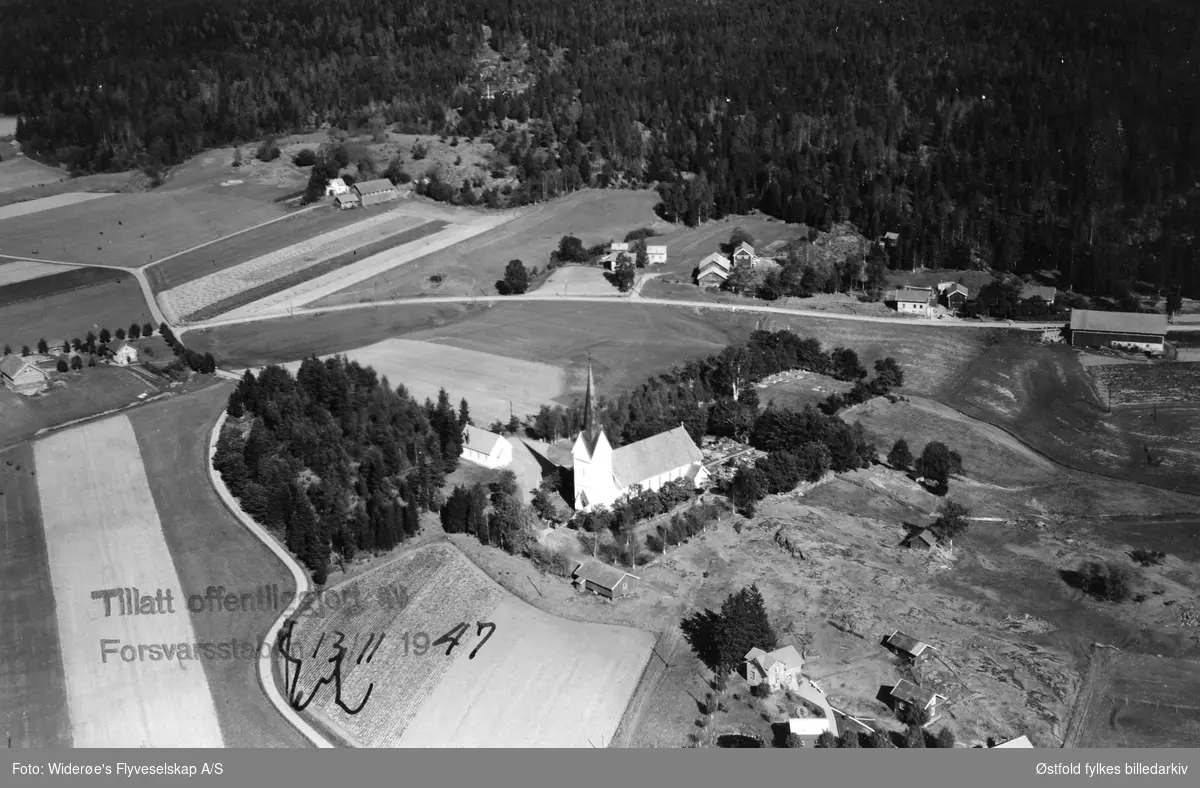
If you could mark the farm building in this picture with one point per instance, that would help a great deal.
(906, 646)
(913, 301)
(779, 668)
(485, 448)
(921, 540)
(121, 353)
(601, 474)
(744, 255)
(1047, 294)
(610, 260)
(601, 579)
(335, 187)
(616, 246)
(656, 255)
(1021, 742)
(1120, 330)
(890, 238)
(713, 270)
(376, 191)
(906, 695)
(21, 376)
(345, 201)
(953, 295)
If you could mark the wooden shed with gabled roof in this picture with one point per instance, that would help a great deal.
(601, 579)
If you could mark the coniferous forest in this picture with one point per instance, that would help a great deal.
(1026, 135)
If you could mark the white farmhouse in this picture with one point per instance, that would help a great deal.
(122, 353)
(335, 187)
(656, 255)
(485, 448)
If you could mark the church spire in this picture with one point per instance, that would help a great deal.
(590, 417)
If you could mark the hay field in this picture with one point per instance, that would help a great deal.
(48, 203)
(1139, 700)
(205, 291)
(53, 280)
(24, 270)
(235, 250)
(33, 703)
(130, 230)
(103, 531)
(488, 382)
(63, 316)
(20, 172)
(578, 280)
(211, 547)
(472, 266)
(537, 681)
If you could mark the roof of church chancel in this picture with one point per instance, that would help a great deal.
(666, 451)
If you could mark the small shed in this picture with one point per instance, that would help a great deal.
(601, 579)
(922, 539)
(346, 201)
(906, 646)
(906, 695)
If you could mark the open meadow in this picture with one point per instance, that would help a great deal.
(578, 280)
(472, 266)
(63, 306)
(48, 203)
(490, 383)
(210, 546)
(33, 702)
(19, 172)
(103, 531)
(130, 230)
(1139, 700)
(533, 681)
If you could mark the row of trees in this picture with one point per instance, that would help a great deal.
(335, 459)
(91, 343)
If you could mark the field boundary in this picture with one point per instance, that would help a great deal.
(1083, 701)
(113, 275)
(266, 667)
(652, 673)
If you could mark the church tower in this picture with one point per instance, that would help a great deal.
(592, 456)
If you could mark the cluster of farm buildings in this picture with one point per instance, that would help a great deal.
(361, 194)
(30, 375)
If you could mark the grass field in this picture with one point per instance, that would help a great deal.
(1044, 396)
(105, 183)
(103, 531)
(48, 203)
(52, 280)
(537, 681)
(490, 383)
(472, 267)
(579, 280)
(88, 392)
(33, 703)
(1139, 700)
(111, 304)
(230, 252)
(687, 246)
(20, 173)
(210, 547)
(130, 230)
(628, 341)
(323, 268)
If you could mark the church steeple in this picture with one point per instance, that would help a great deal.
(590, 418)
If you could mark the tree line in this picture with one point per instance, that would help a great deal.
(1029, 136)
(334, 459)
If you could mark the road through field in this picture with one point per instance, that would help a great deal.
(103, 532)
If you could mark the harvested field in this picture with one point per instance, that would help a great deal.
(130, 230)
(235, 250)
(20, 173)
(33, 703)
(526, 686)
(211, 547)
(1044, 396)
(48, 203)
(1144, 384)
(86, 393)
(47, 310)
(490, 383)
(472, 266)
(579, 280)
(1139, 700)
(12, 272)
(313, 266)
(101, 535)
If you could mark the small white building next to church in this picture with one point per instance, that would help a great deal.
(602, 474)
(485, 448)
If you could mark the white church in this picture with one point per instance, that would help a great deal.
(602, 474)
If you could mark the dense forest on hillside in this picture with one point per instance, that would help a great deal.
(1023, 135)
(334, 458)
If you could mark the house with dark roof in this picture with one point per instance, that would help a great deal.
(1119, 330)
(906, 646)
(601, 474)
(953, 295)
(780, 668)
(21, 376)
(1047, 294)
(921, 539)
(601, 579)
(906, 695)
(485, 448)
